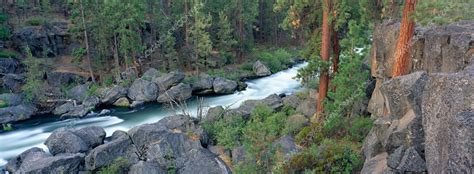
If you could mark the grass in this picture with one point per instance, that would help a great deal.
(8, 54)
(35, 21)
(7, 127)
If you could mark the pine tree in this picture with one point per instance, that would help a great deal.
(325, 53)
(225, 39)
(200, 37)
(401, 66)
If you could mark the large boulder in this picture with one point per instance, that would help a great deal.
(110, 95)
(274, 102)
(142, 90)
(106, 154)
(214, 114)
(72, 110)
(224, 86)
(203, 85)
(176, 93)
(448, 114)
(74, 140)
(11, 99)
(63, 163)
(58, 79)
(286, 146)
(17, 113)
(166, 81)
(260, 69)
(14, 164)
(122, 102)
(150, 74)
(177, 142)
(150, 167)
(79, 92)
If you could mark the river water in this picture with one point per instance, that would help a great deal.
(32, 133)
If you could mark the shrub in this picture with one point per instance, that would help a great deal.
(4, 32)
(7, 127)
(360, 128)
(93, 90)
(8, 54)
(226, 131)
(120, 165)
(294, 124)
(35, 21)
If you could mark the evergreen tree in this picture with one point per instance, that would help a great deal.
(402, 51)
(225, 38)
(200, 37)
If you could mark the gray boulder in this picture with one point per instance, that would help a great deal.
(286, 146)
(292, 100)
(203, 85)
(260, 69)
(411, 162)
(11, 99)
(377, 164)
(57, 79)
(107, 153)
(63, 163)
(448, 116)
(214, 114)
(74, 140)
(142, 90)
(274, 102)
(14, 164)
(69, 110)
(143, 167)
(238, 155)
(308, 103)
(224, 86)
(79, 92)
(166, 81)
(122, 102)
(150, 74)
(110, 95)
(17, 113)
(176, 93)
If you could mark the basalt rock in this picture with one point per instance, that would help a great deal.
(47, 40)
(74, 140)
(17, 113)
(9, 65)
(166, 81)
(111, 95)
(107, 153)
(180, 92)
(260, 69)
(142, 90)
(224, 86)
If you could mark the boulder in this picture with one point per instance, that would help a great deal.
(17, 113)
(9, 65)
(14, 164)
(447, 111)
(245, 109)
(372, 145)
(295, 123)
(308, 103)
(203, 85)
(377, 164)
(411, 162)
(58, 79)
(128, 75)
(214, 114)
(286, 146)
(292, 100)
(178, 142)
(63, 163)
(150, 74)
(144, 167)
(142, 90)
(91, 102)
(166, 81)
(260, 69)
(110, 95)
(107, 153)
(122, 102)
(135, 104)
(11, 99)
(176, 93)
(224, 86)
(13, 82)
(238, 155)
(79, 92)
(74, 140)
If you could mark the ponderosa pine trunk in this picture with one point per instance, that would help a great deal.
(402, 61)
(86, 40)
(325, 52)
(336, 52)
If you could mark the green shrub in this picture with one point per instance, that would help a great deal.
(360, 128)
(294, 124)
(8, 54)
(3, 103)
(276, 61)
(120, 165)
(93, 90)
(7, 127)
(35, 21)
(226, 131)
(4, 32)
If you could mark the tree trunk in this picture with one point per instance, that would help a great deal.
(116, 54)
(86, 40)
(404, 40)
(335, 56)
(186, 32)
(325, 51)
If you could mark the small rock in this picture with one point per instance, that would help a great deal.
(122, 102)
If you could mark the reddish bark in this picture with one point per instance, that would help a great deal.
(402, 51)
(325, 51)
(336, 52)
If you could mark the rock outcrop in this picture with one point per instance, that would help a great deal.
(74, 140)
(48, 40)
(260, 70)
(176, 93)
(224, 86)
(14, 108)
(142, 90)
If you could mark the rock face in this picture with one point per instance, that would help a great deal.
(48, 40)
(56, 79)
(423, 119)
(224, 86)
(15, 109)
(203, 85)
(176, 93)
(260, 69)
(74, 140)
(13, 82)
(448, 121)
(142, 90)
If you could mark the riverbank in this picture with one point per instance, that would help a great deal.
(281, 82)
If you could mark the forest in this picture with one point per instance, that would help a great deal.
(360, 98)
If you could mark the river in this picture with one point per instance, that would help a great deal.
(33, 132)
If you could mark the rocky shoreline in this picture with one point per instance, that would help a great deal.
(152, 86)
(175, 143)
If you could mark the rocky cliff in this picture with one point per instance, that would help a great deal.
(424, 120)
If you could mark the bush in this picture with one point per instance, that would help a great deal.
(35, 21)
(226, 131)
(93, 90)
(276, 61)
(3, 103)
(360, 128)
(294, 124)
(120, 165)
(4, 32)
(7, 127)
(8, 54)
